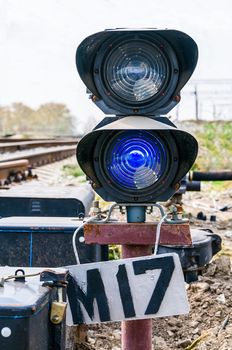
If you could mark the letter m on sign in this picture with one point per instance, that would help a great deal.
(95, 291)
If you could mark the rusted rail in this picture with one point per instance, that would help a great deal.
(13, 170)
(17, 167)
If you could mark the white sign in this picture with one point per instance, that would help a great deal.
(135, 288)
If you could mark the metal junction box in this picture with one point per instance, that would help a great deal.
(44, 241)
(25, 313)
(32, 199)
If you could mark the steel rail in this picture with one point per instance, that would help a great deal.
(14, 167)
(19, 166)
(23, 145)
(42, 157)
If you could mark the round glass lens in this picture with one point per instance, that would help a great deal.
(136, 71)
(135, 159)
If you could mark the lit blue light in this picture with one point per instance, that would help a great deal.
(136, 159)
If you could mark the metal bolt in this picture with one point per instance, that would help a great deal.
(81, 239)
(94, 98)
(95, 209)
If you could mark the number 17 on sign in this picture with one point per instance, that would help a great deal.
(127, 289)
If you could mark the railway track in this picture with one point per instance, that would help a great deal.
(17, 166)
(14, 146)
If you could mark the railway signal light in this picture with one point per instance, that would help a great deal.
(137, 156)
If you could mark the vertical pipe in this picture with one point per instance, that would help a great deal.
(136, 334)
(136, 214)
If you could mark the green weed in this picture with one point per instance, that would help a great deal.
(215, 146)
(73, 170)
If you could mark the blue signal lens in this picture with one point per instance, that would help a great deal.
(136, 159)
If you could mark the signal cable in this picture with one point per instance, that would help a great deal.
(158, 229)
(92, 218)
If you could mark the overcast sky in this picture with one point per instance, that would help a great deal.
(38, 40)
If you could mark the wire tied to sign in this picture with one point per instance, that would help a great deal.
(158, 230)
(111, 208)
(92, 218)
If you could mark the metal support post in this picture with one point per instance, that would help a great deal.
(136, 334)
(137, 237)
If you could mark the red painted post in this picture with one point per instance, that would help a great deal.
(137, 239)
(136, 334)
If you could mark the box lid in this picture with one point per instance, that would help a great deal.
(23, 299)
